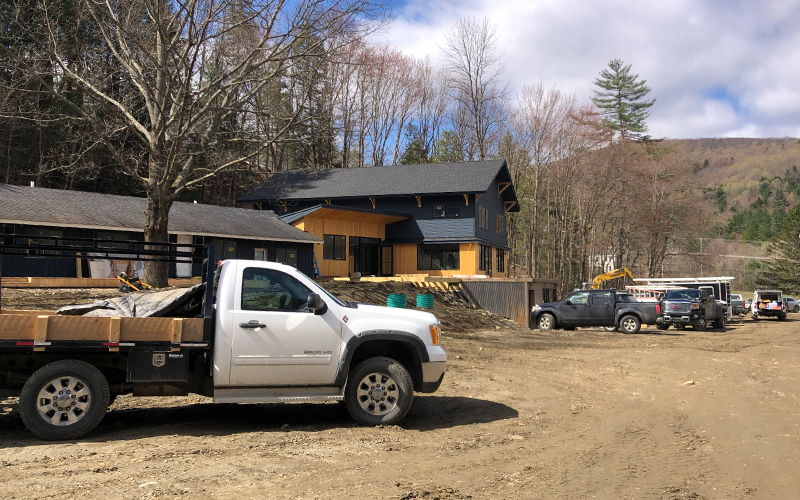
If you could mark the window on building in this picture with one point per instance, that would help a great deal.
(546, 295)
(449, 210)
(272, 290)
(483, 217)
(500, 224)
(437, 257)
(108, 235)
(334, 247)
(286, 256)
(501, 260)
(260, 254)
(485, 258)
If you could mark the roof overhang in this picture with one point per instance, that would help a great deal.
(332, 212)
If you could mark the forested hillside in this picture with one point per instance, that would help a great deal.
(752, 183)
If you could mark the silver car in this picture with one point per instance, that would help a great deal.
(792, 305)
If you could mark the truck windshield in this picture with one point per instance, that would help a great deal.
(683, 295)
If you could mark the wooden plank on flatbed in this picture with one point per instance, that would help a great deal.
(40, 328)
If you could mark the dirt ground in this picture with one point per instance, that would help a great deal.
(521, 414)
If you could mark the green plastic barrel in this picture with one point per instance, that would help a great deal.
(425, 301)
(396, 300)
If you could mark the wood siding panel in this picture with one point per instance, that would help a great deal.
(59, 328)
(405, 261)
(319, 227)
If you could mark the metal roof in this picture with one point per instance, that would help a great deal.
(334, 212)
(394, 180)
(61, 208)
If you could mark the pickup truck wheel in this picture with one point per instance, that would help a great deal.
(782, 317)
(379, 392)
(630, 324)
(64, 400)
(546, 322)
(796, 309)
(663, 326)
(701, 324)
(719, 324)
(610, 328)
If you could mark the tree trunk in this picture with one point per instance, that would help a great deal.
(155, 230)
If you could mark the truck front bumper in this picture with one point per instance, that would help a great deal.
(432, 375)
(679, 319)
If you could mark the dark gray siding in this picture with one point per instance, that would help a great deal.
(494, 203)
(422, 225)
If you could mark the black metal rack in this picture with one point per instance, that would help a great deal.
(55, 247)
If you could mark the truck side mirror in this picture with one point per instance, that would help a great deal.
(316, 304)
(568, 302)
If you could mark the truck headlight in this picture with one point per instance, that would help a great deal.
(435, 331)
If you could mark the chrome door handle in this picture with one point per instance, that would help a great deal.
(253, 323)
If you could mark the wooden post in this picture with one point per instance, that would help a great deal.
(115, 325)
(466, 198)
(419, 201)
(177, 332)
(41, 331)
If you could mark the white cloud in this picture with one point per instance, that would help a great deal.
(717, 68)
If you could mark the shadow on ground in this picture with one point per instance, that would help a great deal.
(427, 413)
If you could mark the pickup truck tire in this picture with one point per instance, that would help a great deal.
(611, 328)
(64, 399)
(700, 325)
(546, 322)
(379, 392)
(664, 326)
(796, 309)
(630, 324)
(719, 323)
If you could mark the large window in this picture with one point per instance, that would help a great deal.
(485, 258)
(334, 247)
(483, 217)
(501, 260)
(271, 290)
(450, 211)
(500, 224)
(437, 257)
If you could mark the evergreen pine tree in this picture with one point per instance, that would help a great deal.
(783, 271)
(620, 99)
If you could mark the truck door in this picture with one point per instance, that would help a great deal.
(575, 309)
(709, 301)
(276, 340)
(603, 308)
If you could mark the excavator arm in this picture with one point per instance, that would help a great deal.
(598, 280)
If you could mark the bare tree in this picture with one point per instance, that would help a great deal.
(171, 88)
(475, 71)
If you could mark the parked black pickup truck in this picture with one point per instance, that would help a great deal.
(691, 306)
(594, 308)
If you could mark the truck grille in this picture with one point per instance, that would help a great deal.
(676, 307)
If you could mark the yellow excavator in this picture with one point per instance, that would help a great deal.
(597, 282)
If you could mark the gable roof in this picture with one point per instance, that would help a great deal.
(60, 208)
(395, 180)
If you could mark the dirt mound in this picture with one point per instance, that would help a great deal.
(450, 307)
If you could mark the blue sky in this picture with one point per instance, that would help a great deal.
(718, 68)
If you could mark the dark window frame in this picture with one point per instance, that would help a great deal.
(331, 247)
(484, 260)
(448, 254)
(501, 260)
(500, 224)
(446, 211)
(483, 217)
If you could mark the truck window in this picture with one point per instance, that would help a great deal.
(579, 298)
(602, 298)
(272, 290)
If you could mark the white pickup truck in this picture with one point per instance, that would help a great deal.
(272, 335)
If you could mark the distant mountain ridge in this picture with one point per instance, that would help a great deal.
(740, 164)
